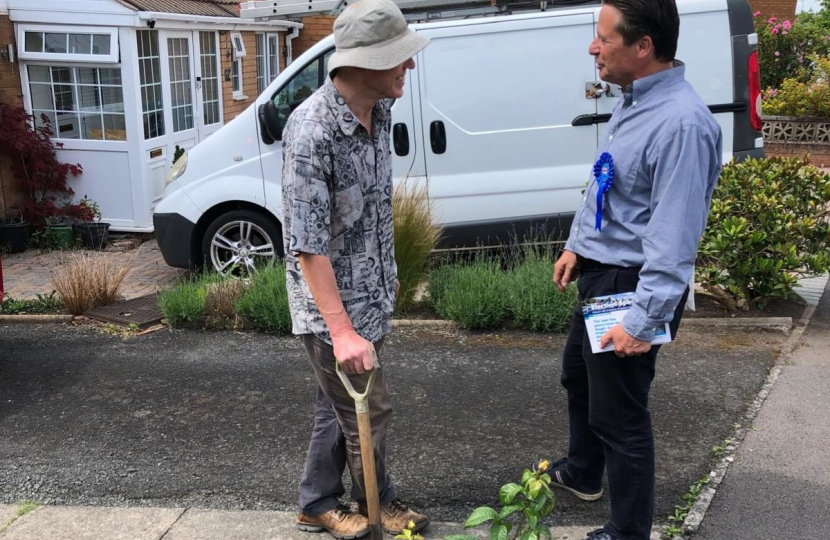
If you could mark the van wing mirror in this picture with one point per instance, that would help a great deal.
(272, 120)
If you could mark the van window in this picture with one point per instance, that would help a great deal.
(304, 83)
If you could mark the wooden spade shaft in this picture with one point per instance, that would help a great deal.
(370, 479)
(367, 449)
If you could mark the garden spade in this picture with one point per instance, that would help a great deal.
(367, 451)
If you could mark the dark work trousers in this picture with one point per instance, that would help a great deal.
(610, 424)
(335, 440)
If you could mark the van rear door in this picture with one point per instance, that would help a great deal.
(498, 98)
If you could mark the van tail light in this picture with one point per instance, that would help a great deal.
(754, 92)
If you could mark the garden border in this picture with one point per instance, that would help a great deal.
(36, 319)
(777, 324)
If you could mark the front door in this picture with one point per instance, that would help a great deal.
(180, 96)
(178, 78)
(208, 85)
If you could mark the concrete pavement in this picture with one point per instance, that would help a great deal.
(778, 487)
(94, 523)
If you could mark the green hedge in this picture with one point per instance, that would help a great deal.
(484, 295)
(768, 225)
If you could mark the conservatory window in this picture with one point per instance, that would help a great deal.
(75, 44)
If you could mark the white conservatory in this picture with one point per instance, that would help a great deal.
(124, 82)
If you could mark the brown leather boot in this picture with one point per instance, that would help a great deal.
(395, 515)
(340, 524)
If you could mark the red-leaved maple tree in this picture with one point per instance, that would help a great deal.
(35, 163)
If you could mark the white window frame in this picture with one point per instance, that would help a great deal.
(111, 58)
(238, 93)
(238, 52)
(238, 48)
(75, 143)
(266, 57)
(216, 80)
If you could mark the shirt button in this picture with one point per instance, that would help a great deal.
(584, 199)
(610, 137)
(635, 103)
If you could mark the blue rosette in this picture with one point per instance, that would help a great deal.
(604, 173)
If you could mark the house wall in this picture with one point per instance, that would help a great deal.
(11, 192)
(233, 107)
(314, 29)
(781, 9)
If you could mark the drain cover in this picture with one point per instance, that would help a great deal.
(142, 311)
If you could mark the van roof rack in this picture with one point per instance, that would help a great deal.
(413, 10)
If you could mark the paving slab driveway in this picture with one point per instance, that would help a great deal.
(222, 419)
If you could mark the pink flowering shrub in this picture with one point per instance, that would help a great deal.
(785, 47)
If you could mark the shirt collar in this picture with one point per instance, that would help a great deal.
(645, 86)
(345, 118)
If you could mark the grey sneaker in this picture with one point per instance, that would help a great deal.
(560, 478)
(600, 534)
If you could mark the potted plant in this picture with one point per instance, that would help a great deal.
(14, 234)
(59, 231)
(92, 233)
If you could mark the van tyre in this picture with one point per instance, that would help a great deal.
(239, 241)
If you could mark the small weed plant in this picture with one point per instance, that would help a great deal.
(681, 511)
(523, 506)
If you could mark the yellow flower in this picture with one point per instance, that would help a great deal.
(543, 466)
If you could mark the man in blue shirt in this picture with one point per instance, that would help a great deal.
(641, 235)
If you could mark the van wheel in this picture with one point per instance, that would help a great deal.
(239, 241)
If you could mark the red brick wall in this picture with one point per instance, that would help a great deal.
(314, 29)
(232, 107)
(11, 192)
(782, 9)
(819, 153)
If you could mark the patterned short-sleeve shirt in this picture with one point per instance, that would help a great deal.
(337, 202)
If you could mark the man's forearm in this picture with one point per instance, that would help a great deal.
(319, 275)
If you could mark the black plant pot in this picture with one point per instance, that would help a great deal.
(14, 235)
(92, 235)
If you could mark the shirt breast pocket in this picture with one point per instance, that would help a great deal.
(348, 209)
(627, 167)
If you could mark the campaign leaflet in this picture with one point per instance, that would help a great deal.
(604, 312)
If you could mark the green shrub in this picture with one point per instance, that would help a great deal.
(265, 301)
(768, 226)
(185, 302)
(473, 295)
(806, 99)
(439, 280)
(415, 237)
(533, 300)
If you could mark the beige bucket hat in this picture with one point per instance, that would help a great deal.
(373, 34)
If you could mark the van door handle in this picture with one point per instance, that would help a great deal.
(438, 137)
(400, 138)
(590, 119)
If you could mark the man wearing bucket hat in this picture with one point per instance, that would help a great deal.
(340, 260)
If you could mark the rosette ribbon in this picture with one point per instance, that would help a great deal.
(604, 173)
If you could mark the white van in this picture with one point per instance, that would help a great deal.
(500, 121)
